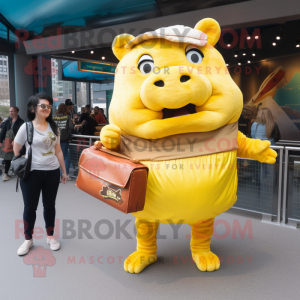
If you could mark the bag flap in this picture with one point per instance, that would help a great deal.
(110, 168)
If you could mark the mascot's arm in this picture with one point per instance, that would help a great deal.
(255, 149)
(110, 137)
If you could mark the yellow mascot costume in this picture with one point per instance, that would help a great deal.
(172, 86)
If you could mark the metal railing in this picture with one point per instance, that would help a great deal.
(78, 144)
(285, 185)
(257, 186)
(265, 205)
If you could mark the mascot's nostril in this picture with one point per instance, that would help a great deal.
(184, 78)
(159, 83)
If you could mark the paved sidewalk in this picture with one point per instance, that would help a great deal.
(262, 265)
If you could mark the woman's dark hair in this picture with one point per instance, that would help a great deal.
(32, 104)
(62, 109)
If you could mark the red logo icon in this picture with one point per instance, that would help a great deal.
(39, 258)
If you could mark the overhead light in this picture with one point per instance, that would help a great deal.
(249, 61)
(227, 62)
(73, 51)
(279, 34)
(244, 52)
(228, 45)
(236, 54)
(92, 52)
(103, 57)
(274, 44)
(253, 52)
(298, 43)
(256, 37)
(248, 37)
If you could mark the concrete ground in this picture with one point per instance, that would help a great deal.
(260, 263)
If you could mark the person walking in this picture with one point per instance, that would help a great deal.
(44, 174)
(66, 125)
(264, 128)
(8, 132)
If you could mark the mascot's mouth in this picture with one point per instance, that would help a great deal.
(178, 112)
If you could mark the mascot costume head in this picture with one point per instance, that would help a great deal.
(172, 86)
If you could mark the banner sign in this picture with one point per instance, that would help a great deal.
(97, 67)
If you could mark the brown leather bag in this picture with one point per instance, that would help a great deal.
(113, 178)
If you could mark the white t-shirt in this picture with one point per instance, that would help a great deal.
(43, 148)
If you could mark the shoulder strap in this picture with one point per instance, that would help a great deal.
(29, 129)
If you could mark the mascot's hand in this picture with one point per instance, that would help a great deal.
(255, 149)
(110, 137)
(266, 154)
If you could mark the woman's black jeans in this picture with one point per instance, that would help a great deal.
(7, 166)
(37, 181)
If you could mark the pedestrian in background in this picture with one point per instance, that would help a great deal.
(264, 128)
(8, 132)
(66, 125)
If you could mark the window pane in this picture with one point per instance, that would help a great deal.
(101, 95)
(12, 37)
(98, 96)
(3, 32)
(61, 90)
(4, 90)
(81, 95)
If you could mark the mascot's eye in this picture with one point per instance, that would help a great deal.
(146, 64)
(194, 56)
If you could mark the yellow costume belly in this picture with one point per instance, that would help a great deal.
(190, 189)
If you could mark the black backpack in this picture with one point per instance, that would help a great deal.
(62, 122)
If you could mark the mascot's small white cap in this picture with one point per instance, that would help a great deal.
(177, 34)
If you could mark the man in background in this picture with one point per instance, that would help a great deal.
(99, 116)
(70, 105)
(86, 122)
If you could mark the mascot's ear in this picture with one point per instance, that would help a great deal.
(118, 45)
(212, 28)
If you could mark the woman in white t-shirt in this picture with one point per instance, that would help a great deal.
(44, 175)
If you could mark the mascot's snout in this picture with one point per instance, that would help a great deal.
(175, 87)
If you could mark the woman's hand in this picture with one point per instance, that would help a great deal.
(64, 178)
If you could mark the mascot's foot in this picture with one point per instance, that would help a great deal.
(138, 261)
(206, 261)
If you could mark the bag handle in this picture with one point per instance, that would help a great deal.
(99, 146)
